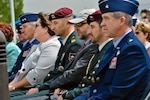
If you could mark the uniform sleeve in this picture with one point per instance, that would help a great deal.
(71, 94)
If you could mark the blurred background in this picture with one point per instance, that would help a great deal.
(11, 9)
(24, 6)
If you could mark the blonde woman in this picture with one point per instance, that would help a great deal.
(142, 31)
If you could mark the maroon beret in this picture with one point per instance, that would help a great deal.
(94, 17)
(61, 13)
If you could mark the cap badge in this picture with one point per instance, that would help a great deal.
(53, 16)
(91, 18)
(24, 19)
(107, 6)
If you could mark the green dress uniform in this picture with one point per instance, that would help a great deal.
(90, 76)
(65, 55)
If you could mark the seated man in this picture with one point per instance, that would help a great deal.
(21, 38)
(69, 77)
(27, 34)
(100, 36)
(124, 71)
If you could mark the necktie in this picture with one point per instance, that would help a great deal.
(60, 40)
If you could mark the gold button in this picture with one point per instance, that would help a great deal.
(85, 77)
(49, 75)
(89, 77)
(93, 72)
(92, 79)
(83, 85)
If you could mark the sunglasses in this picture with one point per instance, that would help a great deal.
(80, 24)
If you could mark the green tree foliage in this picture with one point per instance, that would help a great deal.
(5, 14)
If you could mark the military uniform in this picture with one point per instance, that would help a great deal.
(114, 61)
(82, 86)
(64, 57)
(78, 66)
(91, 72)
(124, 71)
(20, 59)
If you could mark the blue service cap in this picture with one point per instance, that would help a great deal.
(18, 24)
(127, 6)
(28, 17)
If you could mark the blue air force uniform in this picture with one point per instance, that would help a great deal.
(26, 48)
(20, 59)
(124, 71)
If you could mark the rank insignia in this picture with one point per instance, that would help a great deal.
(107, 6)
(73, 40)
(92, 80)
(53, 16)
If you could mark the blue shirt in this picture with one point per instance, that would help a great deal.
(12, 52)
(118, 41)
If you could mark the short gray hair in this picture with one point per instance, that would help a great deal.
(119, 14)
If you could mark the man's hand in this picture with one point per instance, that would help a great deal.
(11, 87)
(32, 90)
(57, 91)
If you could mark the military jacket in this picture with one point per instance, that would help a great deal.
(123, 73)
(73, 76)
(65, 55)
(91, 72)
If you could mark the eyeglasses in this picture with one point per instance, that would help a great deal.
(19, 32)
(80, 24)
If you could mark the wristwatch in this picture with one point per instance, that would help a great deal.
(64, 93)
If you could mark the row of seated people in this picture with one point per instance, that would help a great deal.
(74, 69)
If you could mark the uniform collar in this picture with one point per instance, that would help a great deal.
(65, 40)
(118, 41)
(104, 43)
